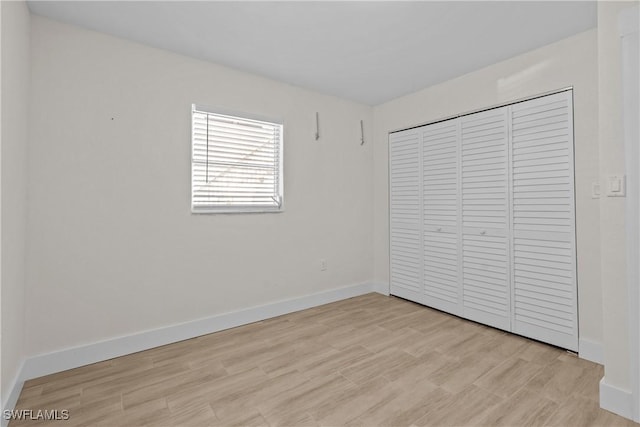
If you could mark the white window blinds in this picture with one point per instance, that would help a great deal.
(236, 163)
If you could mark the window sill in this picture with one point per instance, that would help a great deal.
(236, 211)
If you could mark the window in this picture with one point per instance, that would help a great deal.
(236, 163)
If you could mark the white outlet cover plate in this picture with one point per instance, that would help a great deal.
(616, 186)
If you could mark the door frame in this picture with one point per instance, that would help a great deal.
(628, 25)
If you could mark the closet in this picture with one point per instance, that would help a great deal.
(482, 217)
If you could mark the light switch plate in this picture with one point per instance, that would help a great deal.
(595, 190)
(616, 186)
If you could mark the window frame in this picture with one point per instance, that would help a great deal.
(237, 209)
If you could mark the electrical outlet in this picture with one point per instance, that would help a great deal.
(323, 265)
(616, 186)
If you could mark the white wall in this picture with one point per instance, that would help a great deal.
(13, 146)
(113, 249)
(112, 246)
(1, 377)
(612, 226)
(570, 62)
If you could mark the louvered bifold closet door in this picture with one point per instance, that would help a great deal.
(486, 286)
(405, 215)
(544, 253)
(440, 146)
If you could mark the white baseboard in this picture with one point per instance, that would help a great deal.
(616, 400)
(14, 394)
(381, 288)
(84, 355)
(591, 351)
(63, 360)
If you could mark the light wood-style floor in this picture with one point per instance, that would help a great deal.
(366, 361)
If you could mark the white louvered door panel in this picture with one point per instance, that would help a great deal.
(486, 286)
(440, 156)
(405, 200)
(482, 218)
(544, 251)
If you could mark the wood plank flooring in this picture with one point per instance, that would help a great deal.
(366, 361)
